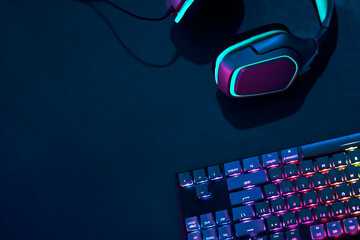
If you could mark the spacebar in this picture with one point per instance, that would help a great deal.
(330, 146)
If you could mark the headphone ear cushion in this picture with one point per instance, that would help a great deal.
(242, 45)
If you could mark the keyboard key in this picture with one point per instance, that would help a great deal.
(318, 232)
(247, 180)
(334, 229)
(343, 192)
(271, 191)
(323, 164)
(214, 173)
(287, 188)
(289, 219)
(351, 225)
(339, 160)
(354, 157)
(225, 232)
(261, 238)
(319, 181)
(322, 213)
(291, 171)
(354, 206)
(356, 189)
(250, 227)
(310, 199)
(290, 156)
(251, 164)
(305, 216)
(192, 224)
(194, 236)
(335, 177)
(222, 217)
(185, 179)
(199, 176)
(303, 184)
(277, 236)
(232, 168)
(278, 205)
(273, 223)
(262, 209)
(293, 235)
(338, 209)
(243, 213)
(270, 160)
(207, 220)
(307, 168)
(209, 234)
(275, 174)
(326, 195)
(246, 196)
(294, 202)
(351, 174)
(202, 191)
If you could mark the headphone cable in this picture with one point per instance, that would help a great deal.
(167, 14)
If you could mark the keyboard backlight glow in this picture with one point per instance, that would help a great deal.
(351, 148)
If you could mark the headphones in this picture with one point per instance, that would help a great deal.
(265, 63)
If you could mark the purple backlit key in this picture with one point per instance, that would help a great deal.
(318, 232)
(270, 160)
(222, 217)
(334, 229)
(207, 220)
(351, 225)
(290, 155)
(192, 224)
(194, 236)
(225, 232)
(209, 234)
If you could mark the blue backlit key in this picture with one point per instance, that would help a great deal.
(207, 220)
(251, 164)
(225, 232)
(232, 168)
(270, 159)
(243, 212)
(209, 234)
(199, 176)
(246, 196)
(247, 180)
(214, 173)
(202, 191)
(185, 179)
(194, 236)
(192, 224)
(222, 217)
(250, 227)
(290, 155)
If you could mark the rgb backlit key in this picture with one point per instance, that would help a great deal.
(351, 225)
(192, 224)
(334, 229)
(290, 155)
(251, 164)
(232, 168)
(270, 160)
(318, 232)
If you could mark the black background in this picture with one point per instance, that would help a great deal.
(92, 132)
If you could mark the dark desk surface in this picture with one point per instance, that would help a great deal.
(91, 134)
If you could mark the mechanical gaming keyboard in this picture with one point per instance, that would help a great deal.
(306, 192)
